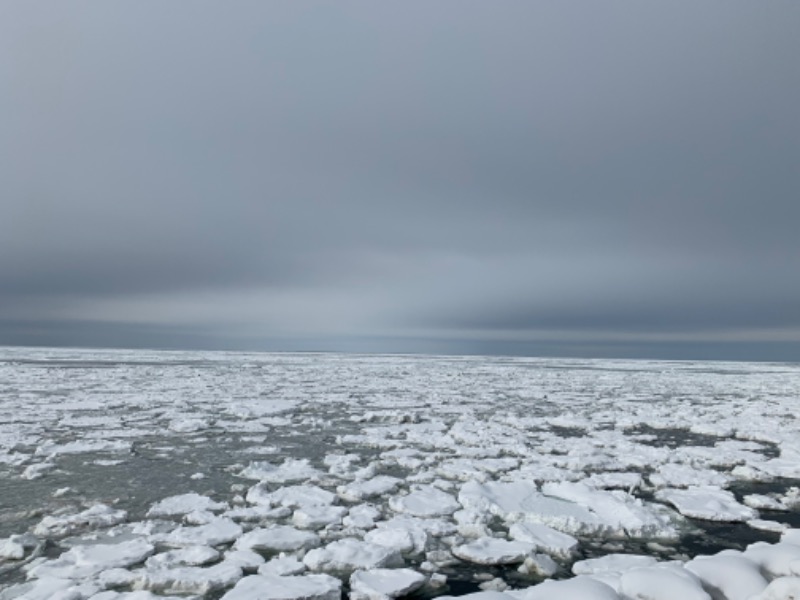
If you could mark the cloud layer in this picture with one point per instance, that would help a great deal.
(451, 176)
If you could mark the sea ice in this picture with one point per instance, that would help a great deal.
(37, 470)
(98, 515)
(362, 516)
(544, 538)
(188, 556)
(12, 548)
(280, 538)
(494, 551)
(282, 565)
(767, 525)
(612, 562)
(661, 582)
(728, 576)
(384, 584)
(277, 587)
(291, 470)
(791, 536)
(82, 562)
(50, 448)
(616, 481)
(259, 512)
(578, 588)
(138, 595)
(425, 502)
(622, 513)
(292, 496)
(682, 476)
(50, 588)
(764, 502)
(347, 555)
(369, 488)
(192, 580)
(782, 588)
(218, 531)
(710, 503)
(317, 517)
(175, 506)
(775, 560)
(247, 560)
(404, 540)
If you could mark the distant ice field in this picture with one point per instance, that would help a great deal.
(144, 474)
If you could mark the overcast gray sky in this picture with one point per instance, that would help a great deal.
(587, 178)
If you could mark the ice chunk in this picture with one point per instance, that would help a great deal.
(622, 513)
(384, 584)
(291, 470)
(661, 583)
(578, 588)
(729, 576)
(349, 554)
(292, 496)
(767, 525)
(434, 527)
(317, 517)
(37, 470)
(189, 424)
(189, 556)
(425, 502)
(618, 481)
(762, 501)
(192, 580)
(282, 565)
(493, 551)
(98, 515)
(138, 595)
(81, 562)
(183, 504)
(681, 476)
(521, 501)
(341, 464)
(50, 588)
(244, 559)
(362, 516)
(218, 531)
(612, 562)
(710, 503)
(280, 538)
(404, 535)
(277, 587)
(538, 564)
(12, 548)
(79, 447)
(775, 560)
(259, 512)
(369, 488)
(791, 536)
(782, 588)
(544, 538)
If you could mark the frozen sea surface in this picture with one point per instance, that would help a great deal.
(140, 474)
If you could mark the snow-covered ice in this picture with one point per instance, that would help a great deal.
(384, 584)
(279, 538)
(323, 473)
(707, 502)
(277, 587)
(350, 554)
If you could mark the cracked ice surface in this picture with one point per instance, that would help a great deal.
(146, 475)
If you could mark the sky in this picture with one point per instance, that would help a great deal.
(617, 178)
